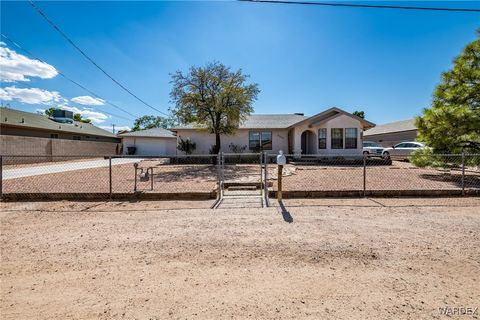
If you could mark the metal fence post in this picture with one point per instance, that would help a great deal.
(463, 173)
(364, 176)
(1, 177)
(219, 180)
(222, 173)
(265, 178)
(151, 178)
(110, 176)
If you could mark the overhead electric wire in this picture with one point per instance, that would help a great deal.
(32, 3)
(72, 81)
(370, 6)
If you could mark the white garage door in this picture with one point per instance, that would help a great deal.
(155, 146)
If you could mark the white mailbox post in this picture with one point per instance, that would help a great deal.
(281, 161)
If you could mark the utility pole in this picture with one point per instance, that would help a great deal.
(113, 128)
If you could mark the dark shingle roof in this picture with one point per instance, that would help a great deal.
(150, 133)
(263, 121)
(398, 126)
(24, 119)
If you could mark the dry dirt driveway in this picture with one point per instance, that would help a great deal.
(334, 259)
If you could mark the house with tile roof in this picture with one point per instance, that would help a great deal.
(330, 132)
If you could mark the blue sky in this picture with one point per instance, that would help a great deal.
(304, 58)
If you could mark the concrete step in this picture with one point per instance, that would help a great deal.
(242, 187)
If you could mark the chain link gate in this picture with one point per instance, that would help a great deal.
(241, 180)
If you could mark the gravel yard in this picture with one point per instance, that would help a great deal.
(336, 259)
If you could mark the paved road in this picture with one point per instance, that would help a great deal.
(61, 167)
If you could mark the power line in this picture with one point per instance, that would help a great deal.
(71, 80)
(370, 6)
(90, 59)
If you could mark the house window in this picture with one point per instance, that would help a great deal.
(254, 140)
(337, 138)
(351, 138)
(260, 140)
(266, 138)
(54, 135)
(76, 137)
(322, 138)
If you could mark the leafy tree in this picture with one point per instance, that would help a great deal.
(78, 117)
(49, 112)
(213, 97)
(452, 124)
(186, 145)
(360, 114)
(149, 122)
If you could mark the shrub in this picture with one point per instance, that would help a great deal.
(237, 148)
(186, 145)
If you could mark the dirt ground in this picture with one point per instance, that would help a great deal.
(203, 178)
(310, 259)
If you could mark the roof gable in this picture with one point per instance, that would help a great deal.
(331, 114)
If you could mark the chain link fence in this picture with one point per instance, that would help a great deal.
(358, 174)
(88, 177)
(207, 176)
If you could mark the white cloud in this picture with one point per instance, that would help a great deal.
(88, 101)
(16, 67)
(117, 128)
(30, 95)
(95, 116)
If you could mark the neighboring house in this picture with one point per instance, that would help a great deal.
(331, 132)
(25, 133)
(150, 142)
(390, 134)
(20, 123)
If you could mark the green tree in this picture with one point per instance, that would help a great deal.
(213, 97)
(78, 117)
(360, 114)
(452, 123)
(49, 111)
(149, 122)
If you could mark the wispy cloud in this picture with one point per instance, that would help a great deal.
(95, 116)
(16, 67)
(117, 128)
(30, 95)
(88, 101)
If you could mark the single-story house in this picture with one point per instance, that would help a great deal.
(150, 142)
(390, 134)
(60, 126)
(331, 132)
(26, 133)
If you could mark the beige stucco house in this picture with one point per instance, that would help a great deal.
(331, 132)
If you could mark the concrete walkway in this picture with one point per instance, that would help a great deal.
(62, 167)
